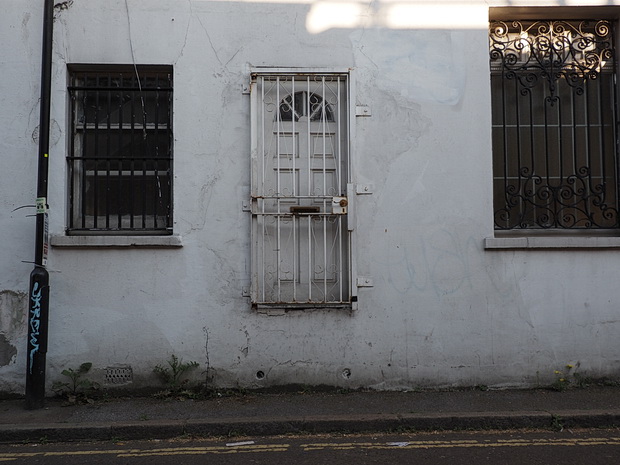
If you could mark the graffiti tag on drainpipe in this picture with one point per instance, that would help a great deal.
(35, 321)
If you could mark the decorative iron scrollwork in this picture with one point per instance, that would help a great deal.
(554, 124)
(576, 203)
(551, 50)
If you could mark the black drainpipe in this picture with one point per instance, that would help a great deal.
(38, 302)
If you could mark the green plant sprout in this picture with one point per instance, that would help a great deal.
(78, 386)
(172, 375)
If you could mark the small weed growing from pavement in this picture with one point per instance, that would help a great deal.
(305, 389)
(173, 375)
(557, 423)
(568, 377)
(562, 380)
(79, 387)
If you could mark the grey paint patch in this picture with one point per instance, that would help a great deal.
(13, 316)
(8, 352)
(13, 313)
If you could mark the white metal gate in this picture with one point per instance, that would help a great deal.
(300, 171)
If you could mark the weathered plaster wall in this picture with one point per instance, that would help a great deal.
(19, 116)
(443, 311)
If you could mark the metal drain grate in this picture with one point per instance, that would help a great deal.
(118, 375)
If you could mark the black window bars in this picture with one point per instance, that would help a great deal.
(554, 125)
(120, 152)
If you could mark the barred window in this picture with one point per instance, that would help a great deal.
(120, 153)
(554, 125)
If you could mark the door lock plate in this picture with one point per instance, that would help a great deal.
(339, 205)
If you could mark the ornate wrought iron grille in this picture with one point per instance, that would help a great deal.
(120, 155)
(554, 124)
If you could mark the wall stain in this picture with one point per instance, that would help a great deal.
(13, 312)
(8, 351)
(63, 5)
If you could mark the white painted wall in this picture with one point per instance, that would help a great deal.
(443, 311)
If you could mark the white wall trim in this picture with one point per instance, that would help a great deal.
(116, 241)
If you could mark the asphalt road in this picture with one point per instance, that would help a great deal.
(591, 447)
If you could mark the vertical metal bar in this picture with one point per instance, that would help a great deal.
(348, 112)
(588, 140)
(505, 140)
(144, 149)
(546, 135)
(337, 142)
(72, 161)
(310, 151)
(557, 206)
(614, 126)
(155, 162)
(169, 164)
(324, 120)
(349, 131)
(261, 187)
(108, 148)
(521, 205)
(120, 155)
(294, 193)
(132, 152)
(96, 153)
(601, 135)
(278, 192)
(532, 146)
(144, 146)
(559, 136)
(338, 177)
(84, 155)
(575, 160)
(144, 188)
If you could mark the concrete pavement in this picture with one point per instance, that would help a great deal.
(310, 412)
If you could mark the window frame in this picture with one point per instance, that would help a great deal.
(558, 237)
(136, 166)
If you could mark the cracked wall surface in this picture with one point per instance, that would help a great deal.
(442, 310)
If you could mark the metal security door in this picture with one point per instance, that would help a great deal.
(299, 202)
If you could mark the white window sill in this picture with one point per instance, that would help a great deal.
(116, 241)
(553, 242)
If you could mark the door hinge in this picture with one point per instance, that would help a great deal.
(361, 189)
(362, 110)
